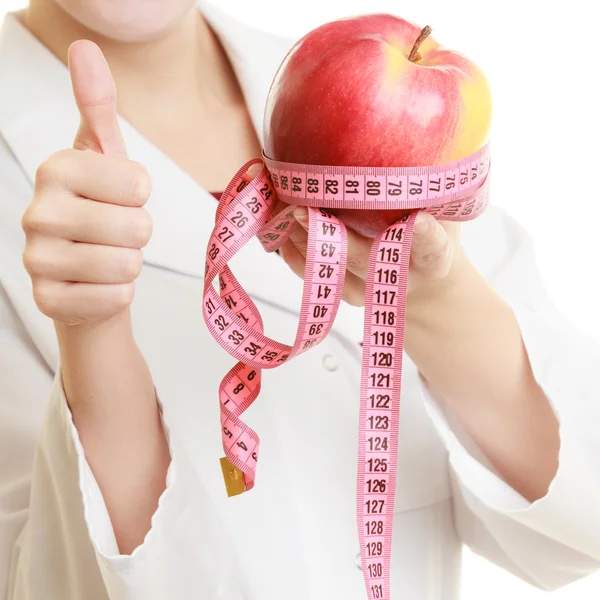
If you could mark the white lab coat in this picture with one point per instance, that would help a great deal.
(293, 536)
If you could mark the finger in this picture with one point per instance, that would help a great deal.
(74, 303)
(96, 97)
(83, 220)
(299, 235)
(354, 290)
(62, 260)
(293, 258)
(359, 250)
(354, 286)
(430, 250)
(111, 179)
(359, 247)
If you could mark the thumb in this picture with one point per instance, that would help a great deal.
(96, 98)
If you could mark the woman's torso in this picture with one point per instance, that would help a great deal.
(296, 530)
(295, 533)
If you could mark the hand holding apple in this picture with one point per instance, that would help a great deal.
(375, 91)
(434, 260)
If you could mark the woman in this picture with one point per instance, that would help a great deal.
(107, 494)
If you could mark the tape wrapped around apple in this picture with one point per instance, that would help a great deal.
(375, 91)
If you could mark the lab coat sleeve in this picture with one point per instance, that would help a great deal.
(555, 540)
(56, 539)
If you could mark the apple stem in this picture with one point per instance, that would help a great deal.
(414, 53)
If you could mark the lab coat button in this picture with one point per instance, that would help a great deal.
(330, 362)
(358, 562)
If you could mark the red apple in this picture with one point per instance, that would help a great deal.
(375, 91)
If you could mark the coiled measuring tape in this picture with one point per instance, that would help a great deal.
(456, 191)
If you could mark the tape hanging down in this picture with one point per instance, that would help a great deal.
(457, 191)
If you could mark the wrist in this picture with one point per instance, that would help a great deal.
(101, 356)
(117, 325)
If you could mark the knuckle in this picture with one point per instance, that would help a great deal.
(33, 260)
(131, 264)
(357, 264)
(433, 259)
(45, 297)
(142, 184)
(45, 174)
(33, 220)
(124, 295)
(142, 228)
(49, 170)
(27, 222)
(435, 255)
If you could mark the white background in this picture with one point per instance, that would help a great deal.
(542, 66)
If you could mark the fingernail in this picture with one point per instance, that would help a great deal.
(301, 215)
(421, 224)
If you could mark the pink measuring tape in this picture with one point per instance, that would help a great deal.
(453, 192)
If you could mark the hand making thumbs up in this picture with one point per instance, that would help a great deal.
(85, 225)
